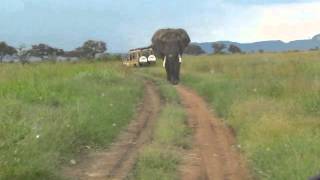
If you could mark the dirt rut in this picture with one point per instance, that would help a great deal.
(117, 161)
(214, 154)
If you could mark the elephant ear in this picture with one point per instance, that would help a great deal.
(164, 36)
(158, 44)
(183, 39)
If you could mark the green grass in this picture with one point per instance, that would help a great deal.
(273, 103)
(160, 160)
(51, 112)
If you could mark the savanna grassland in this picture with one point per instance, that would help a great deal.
(51, 112)
(272, 101)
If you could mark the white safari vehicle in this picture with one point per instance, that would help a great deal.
(140, 56)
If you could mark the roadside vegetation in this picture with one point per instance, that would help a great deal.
(51, 112)
(273, 103)
(161, 159)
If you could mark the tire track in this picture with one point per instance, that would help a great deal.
(214, 155)
(117, 161)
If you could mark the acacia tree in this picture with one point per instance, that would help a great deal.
(234, 49)
(194, 49)
(73, 54)
(90, 48)
(218, 48)
(5, 50)
(44, 50)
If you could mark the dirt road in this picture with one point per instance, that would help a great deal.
(214, 154)
(116, 162)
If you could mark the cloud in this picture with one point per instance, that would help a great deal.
(228, 21)
(288, 21)
(245, 22)
(125, 24)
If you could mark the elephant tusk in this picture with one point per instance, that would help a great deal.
(164, 62)
(180, 59)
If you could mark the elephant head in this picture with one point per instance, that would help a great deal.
(169, 44)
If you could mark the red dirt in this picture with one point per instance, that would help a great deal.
(117, 161)
(214, 155)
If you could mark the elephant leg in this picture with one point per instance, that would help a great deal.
(175, 79)
(174, 73)
(173, 70)
(168, 70)
(178, 71)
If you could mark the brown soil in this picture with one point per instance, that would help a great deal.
(214, 154)
(117, 161)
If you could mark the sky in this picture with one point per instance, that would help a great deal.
(126, 24)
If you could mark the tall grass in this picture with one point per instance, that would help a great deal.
(50, 112)
(273, 103)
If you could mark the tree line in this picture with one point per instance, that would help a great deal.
(89, 49)
(218, 48)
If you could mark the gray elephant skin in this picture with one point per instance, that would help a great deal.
(169, 44)
(315, 177)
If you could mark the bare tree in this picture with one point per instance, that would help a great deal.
(218, 48)
(5, 50)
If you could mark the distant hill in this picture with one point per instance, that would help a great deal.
(269, 46)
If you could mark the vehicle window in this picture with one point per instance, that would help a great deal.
(145, 53)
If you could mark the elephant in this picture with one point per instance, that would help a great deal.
(315, 177)
(169, 45)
